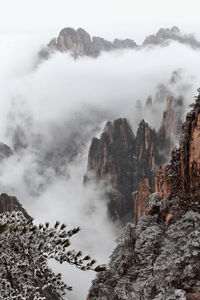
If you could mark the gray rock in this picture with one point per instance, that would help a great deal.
(79, 43)
(165, 35)
(5, 151)
(124, 44)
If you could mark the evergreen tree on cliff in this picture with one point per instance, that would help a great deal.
(25, 251)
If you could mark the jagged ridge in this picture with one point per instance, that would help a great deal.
(129, 162)
(80, 43)
(159, 257)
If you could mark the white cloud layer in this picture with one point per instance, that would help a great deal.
(60, 105)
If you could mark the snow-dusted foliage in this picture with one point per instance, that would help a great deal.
(153, 262)
(24, 253)
(179, 261)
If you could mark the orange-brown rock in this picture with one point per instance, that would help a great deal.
(182, 175)
(125, 161)
(169, 216)
(176, 252)
(143, 194)
(147, 153)
(193, 295)
(162, 181)
(79, 43)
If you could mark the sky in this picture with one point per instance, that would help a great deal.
(108, 18)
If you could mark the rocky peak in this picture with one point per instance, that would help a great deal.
(117, 138)
(129, 163)
(5, 151)
(147, 152)
(99, 44)
(69, 39)
(80, 43)
(175, 77)
(124, 44)
(111, 158)
(171, 123)
(165, 35)
(157, 258)
(149, 102)
(141, 198)
(182, 174)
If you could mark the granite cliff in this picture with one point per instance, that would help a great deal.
(111, 158)
(166, 35)
(80, 43)
(129, 163)
(181, 175)
(158, 258)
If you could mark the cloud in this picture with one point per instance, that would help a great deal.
(63, 89)
(59, 106)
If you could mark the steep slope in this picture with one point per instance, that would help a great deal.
(9, 203)
(165, 35)
(80, 43)
(159, 257)
(171, 123)
(182, 175)
(111, 158)
(129, 163)
(5, 151)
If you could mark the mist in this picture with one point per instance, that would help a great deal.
(49, 114)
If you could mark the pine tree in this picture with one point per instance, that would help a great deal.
(24, 253)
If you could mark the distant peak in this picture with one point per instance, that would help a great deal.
(175, 29)
(80, 43)
(165, 35)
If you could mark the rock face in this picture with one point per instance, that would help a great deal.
(183, 173)
(171, 124)
(165, 35)
(141, 197)
(9, 204)
(124, 161)
(129, 163)
(147, 153)
(80, 43)
(5, 151)
(158, 258)
(151, 262)
(111, 158)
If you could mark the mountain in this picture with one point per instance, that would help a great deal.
(80, 43)
(111, 158)
(181, 176)
(5, 151)
(128, 163)
(158, 258)
(165, 35)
